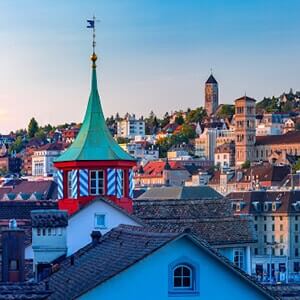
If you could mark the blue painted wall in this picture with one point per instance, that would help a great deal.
(148, 279)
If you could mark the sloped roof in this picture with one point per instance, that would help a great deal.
(116, 251)
(94, 141)
(181, 193)
(291, 137)
(211, 79)
(211, 220)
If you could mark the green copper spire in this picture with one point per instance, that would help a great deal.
(94, 140)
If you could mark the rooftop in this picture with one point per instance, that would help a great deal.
(94, 141)
(115, 252)
(291, 137)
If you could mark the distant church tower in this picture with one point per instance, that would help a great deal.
(211, 95)
(244, 130)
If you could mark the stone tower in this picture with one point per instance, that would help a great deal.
(244, 130)
(211, 95)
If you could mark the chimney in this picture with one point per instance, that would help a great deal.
(13, 253)
(96, 236)
(49, 236)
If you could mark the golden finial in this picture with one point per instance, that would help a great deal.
(93, 59)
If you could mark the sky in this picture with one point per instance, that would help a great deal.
(153, 55)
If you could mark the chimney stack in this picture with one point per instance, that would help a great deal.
(96, 236)
(13, 253)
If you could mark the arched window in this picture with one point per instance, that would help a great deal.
(183, 277)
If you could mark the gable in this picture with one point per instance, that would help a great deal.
(150, 277)
(82, 223)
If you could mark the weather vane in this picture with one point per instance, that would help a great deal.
(92, 24)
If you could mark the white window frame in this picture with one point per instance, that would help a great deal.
(101, 226)
(99, 182)
(240, 255)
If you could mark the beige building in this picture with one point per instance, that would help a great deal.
(276, 218)
(244, 130)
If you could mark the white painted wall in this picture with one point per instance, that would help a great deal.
(82, 224)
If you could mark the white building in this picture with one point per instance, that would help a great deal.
(130, 127)
(99, 215)
(42, 159)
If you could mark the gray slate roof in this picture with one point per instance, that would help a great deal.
(49, 218)
(211, 220)
(116, 251)
(182, 193)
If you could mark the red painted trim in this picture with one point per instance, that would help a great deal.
(70, 165)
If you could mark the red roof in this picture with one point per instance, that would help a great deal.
(291, 137)
(155, 168)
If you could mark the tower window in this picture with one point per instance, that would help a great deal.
(97, 182)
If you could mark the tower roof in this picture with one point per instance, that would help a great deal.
(94, 141)
(211, 79)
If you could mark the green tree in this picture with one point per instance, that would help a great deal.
(40, 134)
(226, 111)
(296, 166)
(195, 115)
(246, 165)
(17, 145)
(33, 127)
(179, 120)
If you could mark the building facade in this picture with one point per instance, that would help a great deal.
(130, 127)
(43, 157)
(244, 130)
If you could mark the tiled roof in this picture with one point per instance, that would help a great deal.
(285, 200)
(51, 147)
(16, 209)
(155, 168)
(291, 137)
(211, 220)
(49, 218)
(46, 188)
(182, 193)
(245, 98)
(115, 252)
(23, 291)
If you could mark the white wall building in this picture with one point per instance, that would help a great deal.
(42, 159)
(130, 127)
(102, 215)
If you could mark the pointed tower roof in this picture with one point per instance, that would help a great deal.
(94, 141)
(211, 79)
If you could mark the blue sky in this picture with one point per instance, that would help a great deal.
(154, 55)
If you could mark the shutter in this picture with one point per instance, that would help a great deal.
(74, 180)
(111, 182)
(84, 182)
(59, 178)
(131, 183)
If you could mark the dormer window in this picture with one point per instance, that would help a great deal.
(274, 206)
(238, 206)
(182, 277)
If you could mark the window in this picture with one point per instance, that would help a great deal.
(13, 265)
(265, 227)
(255, 251)
(296, 252)
(273, 227)
(296, 227)
(255, 227)
(39, 231)
(296, 267)
(280, 218)
(281, 251)
(265, 238)
(281, 239)
(281, 227)
(100, 221)
(238, 257)
(265, 218)
(183, 278)
(97, 182)
(296, 238)
(70, 184)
